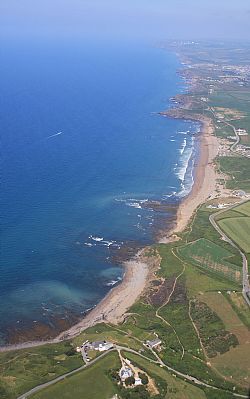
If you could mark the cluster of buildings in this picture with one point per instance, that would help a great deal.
(241, 132)
(128, 370)
(99, 346)
(243, 150)
(225, 145)
(219, 206)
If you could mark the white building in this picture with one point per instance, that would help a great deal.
(154, 343)
(102, 346)
(242, 132)
(138, 381)
(125, 372)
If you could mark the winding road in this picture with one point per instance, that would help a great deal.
(159, 362)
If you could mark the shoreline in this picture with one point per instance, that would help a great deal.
(140, 270)
(204, 173)
(112, 308)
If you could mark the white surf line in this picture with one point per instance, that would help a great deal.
(53, 135)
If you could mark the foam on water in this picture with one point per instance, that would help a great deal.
(68, 201)
(185, 166)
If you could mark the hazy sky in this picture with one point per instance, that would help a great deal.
(150, 19)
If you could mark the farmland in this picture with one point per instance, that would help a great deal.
(193, 304)
(236, 224)
(235, 361)
(244, 208)
(24, 369)
(238, 170)
(240, 307)
(87, 384)
(215, 338)
(211, 257)
(176, 389)
(238, 229)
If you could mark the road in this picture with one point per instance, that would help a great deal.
(62, 377)
(189, 378)
(245, 280)
(159, 362)
(233, 147)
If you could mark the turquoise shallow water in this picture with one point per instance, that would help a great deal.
(82, 148)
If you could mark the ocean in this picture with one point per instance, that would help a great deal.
(84, 156)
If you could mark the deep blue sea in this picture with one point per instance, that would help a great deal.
(82, 149)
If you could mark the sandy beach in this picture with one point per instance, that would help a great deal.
(115, 304)
(137, 275)
(139, 271)
(204, 180)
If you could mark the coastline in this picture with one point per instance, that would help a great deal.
(112, 308)
(204, 173)
(139, 271)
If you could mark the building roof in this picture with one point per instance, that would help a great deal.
(154, 342)
(125, 372)
(98, 344)
(102, 345)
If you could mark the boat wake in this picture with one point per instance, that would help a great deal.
(54, 135)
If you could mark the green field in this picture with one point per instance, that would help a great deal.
(228, 214)
(238, 168)
(24, 369)
(238, 229)
(211, 257)
(175, 387)
(92, 383)
(244, 208)
(230, 99)
(215, 338)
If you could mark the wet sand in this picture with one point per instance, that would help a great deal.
(205, 177)
(138, 273)
(139, 270)
(115, 304)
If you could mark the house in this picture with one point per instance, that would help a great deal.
(125, 372)
(154, 343)
(242, 132)
(102, 346)
(138, 381)
(239, 193)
